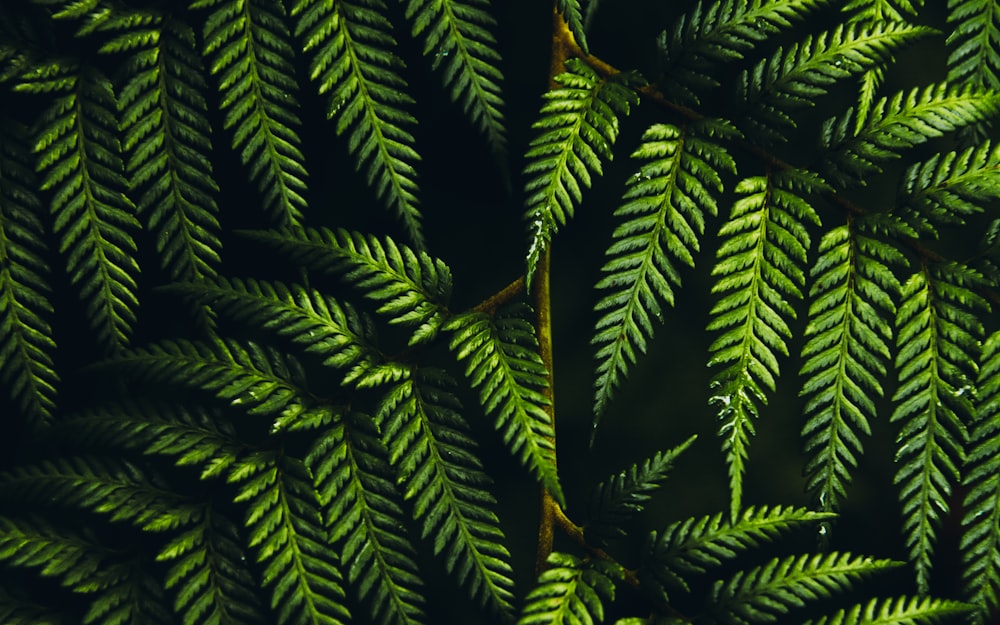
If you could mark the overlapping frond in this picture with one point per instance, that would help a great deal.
(458, 36)
(167, 140)
(882, 10)
(355, 63)
(361, 507)
(807, 70)
(616, 500)
(938, 337)
(690, 547)
(502, 363)
(250, 50)
(286, 533)
(767, 593)
(897, 611)
(572, 14)
(980, 544)
(851, 314)
(663, 217)
(759, 269)
(411, 287)
(132, 595)
(79, 157)
(432, 452)
(974, 58)
(27, 368)
(577, 126)
(570, 591)
(859, 146)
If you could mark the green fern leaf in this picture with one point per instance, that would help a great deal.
(898, 611)
(759, 268)
(435, 459)
(767, 593)
(79, 157)
(570, 592)
(27, 369)
(251, 54)
(980, 544)
(808, 69)
(76, 561)
(503, 364)
(578, 128)
(167, 141)
(663, 216)
(882, 10)
(354, 62)
(975, 54)
(411, 287)
(693, 546)
(846, 353)
(938, 341)
(132, 596)
(351, 472)
(898, 123)
(616, 500)
(16, 610)
(285, 531)
(457, 35)
(573, 15)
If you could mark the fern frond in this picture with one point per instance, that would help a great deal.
(132, 596)
(167, 140)
(80, 159)
(898, 611)
(897, 123)
(882, 10)
(759, 268)
(808, 69)
(975, 43)
(27, 369)
(18, 610)
(77, 562)
(721, 32)
(695, 545)
(578, 126)
(980, 543)
(663, 216)
(614, 501)
(938, 338)
(411, 287)
(504, 366)
(846, 352)
(352, 475)
(570, 591)
(435, 458)
(283, 518)
(457, 33)
(251, 55)
(767, 593)
(321, 325)
(354, 63)
(572, 14)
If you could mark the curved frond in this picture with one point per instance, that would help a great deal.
(133, 595)
(251, 54)
(663, 216)
(457, 34)
(411, 287)
(570, 591)
(759, 269)
(577, 127)
(283, 518)
(435, 458)
(354, 62)
(974, 58)
(898, 611)
(938, 338)
(851, 313)
(361, 508)
(503, 364)
(27, 368)
(883, 10)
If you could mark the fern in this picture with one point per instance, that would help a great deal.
(251, 54)
(75, 561)
(570, 592)
(901, 611)
(846, 352)
(432, 453)
(27, 368)
(572, 13)
(938, 342)
(883, 10)
(975, 55)
(504, 365)
(578, 126)
(354, 63)
(664, 215)
(759, 268)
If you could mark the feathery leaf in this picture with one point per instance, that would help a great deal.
(570, 591)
